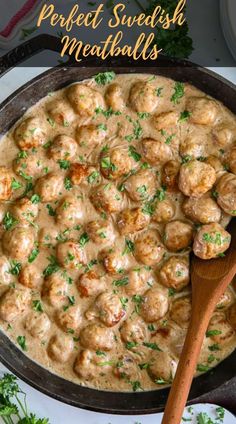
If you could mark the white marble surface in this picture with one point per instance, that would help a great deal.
(44, 406)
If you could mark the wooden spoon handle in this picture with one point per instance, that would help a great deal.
(186, 367)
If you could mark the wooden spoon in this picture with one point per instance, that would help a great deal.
(209, 280)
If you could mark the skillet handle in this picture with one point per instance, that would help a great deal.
(28, 49)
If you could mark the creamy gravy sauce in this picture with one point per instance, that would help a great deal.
(164, 333)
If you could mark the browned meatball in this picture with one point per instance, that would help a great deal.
(85, 100)
(97, 337)
(194, 146)
(108, 308)
(232, 316)
(220, 329)
(100, 231)
(62, 148)
(196, 178)
(175, 273)
(204, 210)
(25, 210)
(80, 173)
(143, 97)
(139, 280)
(91, 284)
(19, 242)
(13, 304)
(155, 305)
(204, 111)
(37, 324)
(164, 211)
(70, 319)
(134, 331)
(88, 364)
(68, 212)
(211, 241)
(70, 255)
(148, 248)
(226, 193)
(156, 152)
(106, 197)
(141, 185)
(232, 160)
(5, 276)
(178, 235)
(61, 112)
(113, 260)
(132, 220)
(55, 290)
(60, 348)
(216, 164)
(165, 120)
(115, 163)
(224, 135)
(30, 276)
(90, 136)
(50, 187)
(226, 299)
(6, 178)
(162, 367)
(114, 97)
(180, 311)
(170, 173)
(30, 133)
(31, 165)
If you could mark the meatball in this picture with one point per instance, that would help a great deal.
(127, 369)
(170, 173)
(114, 98)
(204, 210)
(91, 284)
(143, 97)
(192, 148)
(55, 290)
(155, 305)
(211, 241)
(70, 319)
(5, 276)
(25, 210)
(156, 152)
(88, 365)
(60, 348)
(113, 260)
(203, 110)
(85, 100)
(226, 193)
(31, 165)
(134, 331)
(196, 178)
(100, 231)
(5, 183)
(50, 187)
(232, 316)
(174, 273)
(37, 324)
(71, 255)
(18, 243)
(216, 164)
(224, 135)
(80, 172)
(62, 148)
(148, 248)
(232, 160)
(108, 308)
(180, 311)
(30, 133)
(48, 237)
(106, 197)
(219, 329)
(130, 221)
(97, 337)
(178, 235)
(162, 367)
(226, 299)
(61, 112)
(141, 185)
(115, 163)
(13, 304)
(90, 136)
(165, 120)
(68, 212)
(140, 280)
(164, 211)
(30, 276)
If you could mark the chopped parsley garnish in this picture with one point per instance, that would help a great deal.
(159, 91)
(202, 368)
(51, 122)
(51, 211)
(100, 353)
(138, 300)
(160, 194)
(136, 385)
(178, 93)
(33, 255)
(143, 115)
(210, 333)
(107, 113)
(15, 185)
(186, 159)
(152, 346)
(124, 301)
(131, 345)
(15, 267)
(134, 154)
(35, 199)
(84, 238)
(102, 127)
(92, 178)
(129, 247)
(64, 164)
(52, 267)
(184, 116)
(22, 154)
(171, 292)
(37, 306)
(121, 282)
(67, 183)
(214, 348)
(21, 340)
(104, 78)
(9, 221)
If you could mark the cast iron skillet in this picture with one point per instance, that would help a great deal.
(12, 109)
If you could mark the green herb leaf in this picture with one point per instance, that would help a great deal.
(21, 340)
(134, 154)
(67, 183)
(184, 116)
(121, 282)
(9, 221)
(178, 93)
(104, 78)
(15, 267)
(35, 199)
(37, 306)
(64, 164)
(52, 267)
(152, 346)
(51, 211)
(33, 255)
(84, 239)
(210, 333)
(15, 185)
